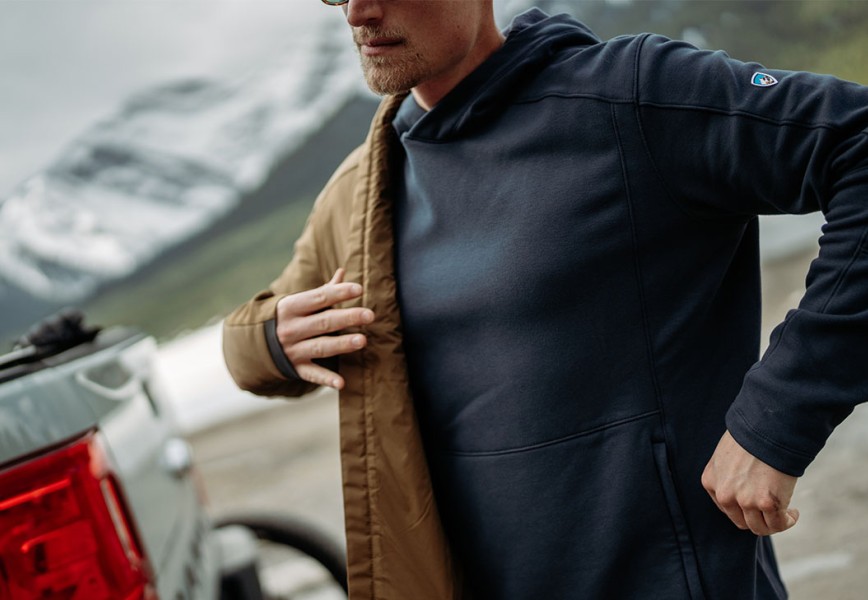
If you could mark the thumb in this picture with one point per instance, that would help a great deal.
(792, 517)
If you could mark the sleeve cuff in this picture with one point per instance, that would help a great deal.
(276, 351)
(772, 453)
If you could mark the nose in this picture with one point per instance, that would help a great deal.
(363, 12)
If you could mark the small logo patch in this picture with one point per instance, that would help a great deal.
(763, 80)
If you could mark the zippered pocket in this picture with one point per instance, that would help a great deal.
(679, 523)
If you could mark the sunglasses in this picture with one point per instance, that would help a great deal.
(335, 2)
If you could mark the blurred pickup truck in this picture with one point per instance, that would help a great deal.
(99, 499)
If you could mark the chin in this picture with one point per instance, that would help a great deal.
(388, 86)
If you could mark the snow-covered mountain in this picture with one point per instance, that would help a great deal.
(176, 157)
(166, 165)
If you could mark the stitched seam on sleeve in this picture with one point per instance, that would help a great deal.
(740, 113)
(767, 439)
(681, 206)
(843, 274)
(678, 204)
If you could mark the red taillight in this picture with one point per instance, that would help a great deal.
(65, 531)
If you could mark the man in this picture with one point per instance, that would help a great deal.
(540, 275)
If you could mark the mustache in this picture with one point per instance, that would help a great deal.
(366, 33)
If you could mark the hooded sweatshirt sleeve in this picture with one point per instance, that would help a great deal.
(732, 140)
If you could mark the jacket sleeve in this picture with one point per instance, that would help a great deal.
(251, 350)
(731, 142)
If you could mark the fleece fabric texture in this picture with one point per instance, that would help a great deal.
(577, 267)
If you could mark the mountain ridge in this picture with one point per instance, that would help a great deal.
(222, 158)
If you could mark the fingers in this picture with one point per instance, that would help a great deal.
(306, 323)
(324, 347)
(746, 515)
(755, 521)
(319, 375)
(770, 522)
(324, 323)
(317, 299)
(763, 522)
(748, 500)
(727, 505)
(780, 520)
(303, 353)
(306, 338)
(309, 314)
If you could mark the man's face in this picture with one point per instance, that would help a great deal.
(408, 43)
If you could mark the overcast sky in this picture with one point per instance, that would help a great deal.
(66, 63)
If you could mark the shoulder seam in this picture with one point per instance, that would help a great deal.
(739, 113)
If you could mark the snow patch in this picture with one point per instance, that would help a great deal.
(170, 162)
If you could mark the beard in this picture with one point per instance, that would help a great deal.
(394, 73)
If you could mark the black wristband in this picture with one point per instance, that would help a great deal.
(276, 350)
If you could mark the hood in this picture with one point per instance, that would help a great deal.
(532, 40)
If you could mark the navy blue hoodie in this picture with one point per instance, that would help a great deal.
(577, 267)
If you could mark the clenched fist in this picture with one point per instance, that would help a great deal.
(752, 494)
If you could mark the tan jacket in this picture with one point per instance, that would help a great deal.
(395, 543)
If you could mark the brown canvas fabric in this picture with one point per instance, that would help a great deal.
(395, 543)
